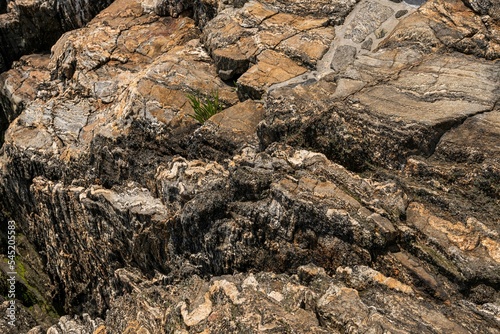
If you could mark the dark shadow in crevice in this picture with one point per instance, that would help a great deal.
(3, 6)
(4, 124)
(415, 2)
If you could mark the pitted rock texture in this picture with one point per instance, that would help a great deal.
(349, 185)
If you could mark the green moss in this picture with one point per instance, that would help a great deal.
(29, 294)
(21, 270)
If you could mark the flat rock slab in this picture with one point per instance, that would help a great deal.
(272, 68)
(436, 94)
(410, 97)
(240, 119)
(391, 102)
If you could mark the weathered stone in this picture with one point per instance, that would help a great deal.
(409, 98)
(84, 324)
(310, 272)
(362, 278)
(469, 251)
(476, 140)
(109, 83)
(29, 26)
(343, 57)
(272, 68)
(308, 47)
(266, 301)
(367, 44)
(227, 132)
(25, 83)
(167, 7)
(370, 17)
(359, 196)
(485, 7)
(336, 11)
(241, 119)
(401, 13)
(237, 37)
(452, 25)
(230, 62)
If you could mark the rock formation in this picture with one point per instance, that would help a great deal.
(349, 185)
(27, 26)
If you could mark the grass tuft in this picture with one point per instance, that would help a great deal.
(204, 108)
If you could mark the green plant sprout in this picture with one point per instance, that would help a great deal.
(206, 107)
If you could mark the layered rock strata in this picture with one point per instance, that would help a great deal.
(349, 185)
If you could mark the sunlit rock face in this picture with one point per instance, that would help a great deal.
(349, 183)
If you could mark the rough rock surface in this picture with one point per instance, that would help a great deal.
(308, 302)
(349, 185)
(260, 39)
(35, 25)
